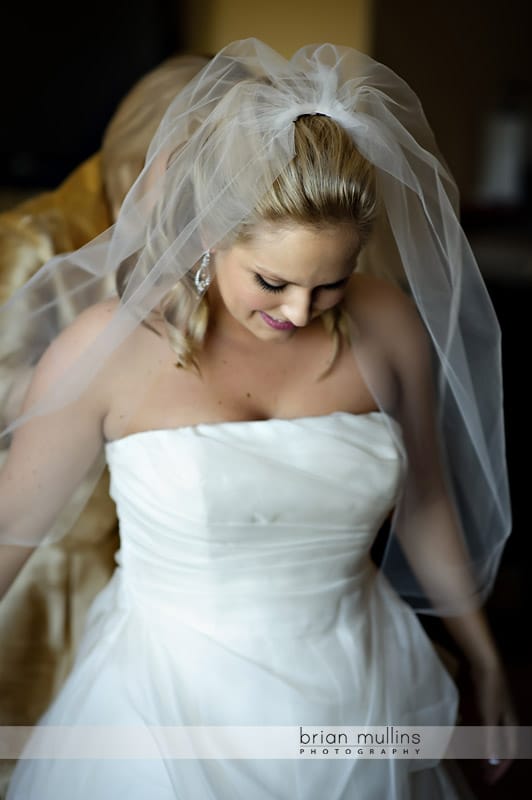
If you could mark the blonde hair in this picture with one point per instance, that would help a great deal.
(326, 183)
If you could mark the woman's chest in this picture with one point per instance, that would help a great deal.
(235, 383)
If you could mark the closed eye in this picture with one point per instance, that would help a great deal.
(270, 287)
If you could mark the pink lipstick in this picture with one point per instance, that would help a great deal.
(279, 325)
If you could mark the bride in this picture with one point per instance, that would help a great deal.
(289, 359)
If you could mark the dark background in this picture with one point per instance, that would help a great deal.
(64, 70)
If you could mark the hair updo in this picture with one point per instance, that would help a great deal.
(327, 182)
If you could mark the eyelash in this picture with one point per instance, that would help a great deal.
(268, 287)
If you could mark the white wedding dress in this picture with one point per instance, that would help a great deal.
(245, 595)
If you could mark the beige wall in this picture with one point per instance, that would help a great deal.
(283, 24)
(458, 57)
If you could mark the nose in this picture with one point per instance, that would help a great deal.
(297, 307)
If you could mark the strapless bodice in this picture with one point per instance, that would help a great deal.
(267, 521)
(245, 595)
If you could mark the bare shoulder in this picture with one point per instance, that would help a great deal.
(90, 322)
(68, 346)
(371, 295)
(385, 309)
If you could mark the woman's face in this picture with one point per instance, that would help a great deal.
(284, 277)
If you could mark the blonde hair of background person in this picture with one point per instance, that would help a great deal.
(135, 121)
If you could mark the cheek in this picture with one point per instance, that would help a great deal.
(235, 291)
(244, 299)
(256, 299)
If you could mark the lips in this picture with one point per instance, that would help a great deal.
(278, 324)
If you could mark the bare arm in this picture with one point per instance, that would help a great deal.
(395, 352)
(51, 455)
(427, 524)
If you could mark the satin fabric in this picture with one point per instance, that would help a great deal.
(244, 594)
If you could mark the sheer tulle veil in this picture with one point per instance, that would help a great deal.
(222, 142)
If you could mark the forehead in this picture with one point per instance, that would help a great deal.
(302, 254)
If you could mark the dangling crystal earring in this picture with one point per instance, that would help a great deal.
(203, 277)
